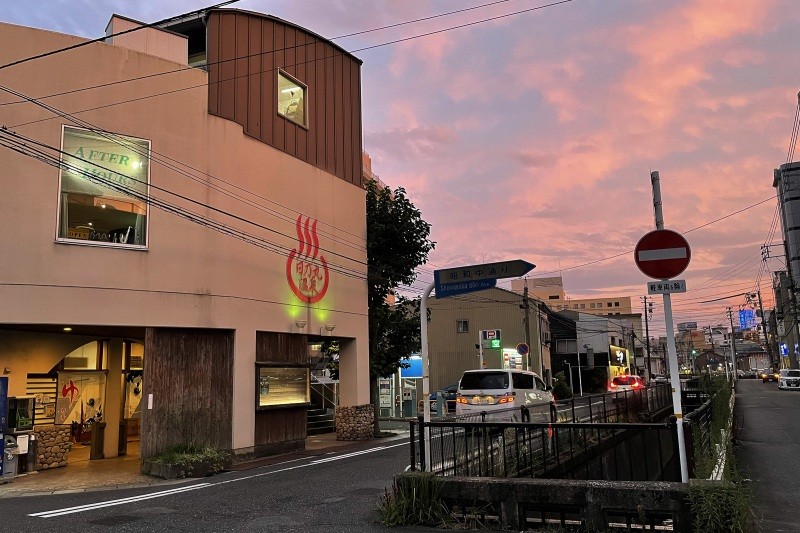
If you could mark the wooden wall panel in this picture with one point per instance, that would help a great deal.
(250, 48)
(278, 427)
(189, 372)
(227, 70)
(253, 111)
(269, 83)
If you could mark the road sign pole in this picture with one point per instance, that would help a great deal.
(674, 378)
(426, 385)
(480, 349)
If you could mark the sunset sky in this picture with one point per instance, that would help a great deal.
(533, 135)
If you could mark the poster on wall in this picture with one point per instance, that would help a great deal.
(80, 397)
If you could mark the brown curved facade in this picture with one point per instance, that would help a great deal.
(246, 51)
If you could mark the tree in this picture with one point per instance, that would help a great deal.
(397, 243)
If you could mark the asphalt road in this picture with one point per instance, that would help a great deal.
(336, 493)
(769, 437)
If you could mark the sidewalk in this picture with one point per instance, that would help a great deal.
(83, 475)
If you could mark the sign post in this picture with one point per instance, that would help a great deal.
(664, 254)
(449, 282)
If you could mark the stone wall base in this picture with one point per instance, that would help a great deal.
(355, 422)
(53, 444)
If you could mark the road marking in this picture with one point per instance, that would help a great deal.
(121, 501)
(161, 494)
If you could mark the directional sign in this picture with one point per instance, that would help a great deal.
(667, 287)
(662, 254)
(452, 281)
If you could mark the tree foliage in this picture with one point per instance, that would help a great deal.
(397, 243)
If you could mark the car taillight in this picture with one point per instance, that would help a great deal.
(612, 385)
(635, 385)
(461, 400)
(505, 399)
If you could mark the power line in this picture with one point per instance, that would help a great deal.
(103, 38)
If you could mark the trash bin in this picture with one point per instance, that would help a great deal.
(9, 459)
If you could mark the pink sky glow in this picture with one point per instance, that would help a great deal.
(533, 136)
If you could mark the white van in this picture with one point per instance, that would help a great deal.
(501, 394)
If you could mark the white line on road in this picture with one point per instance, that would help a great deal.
(163, 493)
(98, 505)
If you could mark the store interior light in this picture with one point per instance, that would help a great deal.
(67, 328)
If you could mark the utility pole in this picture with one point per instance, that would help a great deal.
(526, 306)
(633, 350)
(733, 345)
(647, 311)
(772, 361)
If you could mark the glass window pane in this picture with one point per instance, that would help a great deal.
(103, 188)
(292, 98)
(283, 386)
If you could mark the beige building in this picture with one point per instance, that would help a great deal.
(551, 291)
(173, 247)
(455, 327)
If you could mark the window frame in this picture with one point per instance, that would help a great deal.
(259, 365)
(460, 329)
(304, 87)
(59, 192)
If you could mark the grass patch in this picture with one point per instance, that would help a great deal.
(416, 501)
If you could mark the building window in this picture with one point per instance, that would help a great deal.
(616, 304)
(574, 306)
(281, 386)
(104, 185)
(583, 306)
(553, 297)
(292, 98)
(610, 304)
(462, 326)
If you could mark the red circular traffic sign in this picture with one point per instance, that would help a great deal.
(662, 254)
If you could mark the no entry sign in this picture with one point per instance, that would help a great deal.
(662, 254)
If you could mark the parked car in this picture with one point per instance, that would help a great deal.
(449, 394)
(769, 375)
(789, 379)
(660, 378)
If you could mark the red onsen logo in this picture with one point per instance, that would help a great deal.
(307, 274)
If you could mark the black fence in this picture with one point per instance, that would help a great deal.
(581, 450)
(591, 437)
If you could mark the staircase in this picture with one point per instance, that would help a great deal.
(322, 413)
(320, 421)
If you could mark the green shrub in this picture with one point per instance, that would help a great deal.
(188, 457)
(561, 390)
(416, 501)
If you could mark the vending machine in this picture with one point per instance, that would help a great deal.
(3, 420)
(20, 426)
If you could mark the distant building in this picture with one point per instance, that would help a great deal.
(551, 291)
(455, 325)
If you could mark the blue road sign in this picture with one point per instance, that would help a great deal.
(453, 281)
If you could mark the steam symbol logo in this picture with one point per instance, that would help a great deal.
(306, 269)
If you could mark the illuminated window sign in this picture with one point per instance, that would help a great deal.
(282, 386)
(103, 184)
